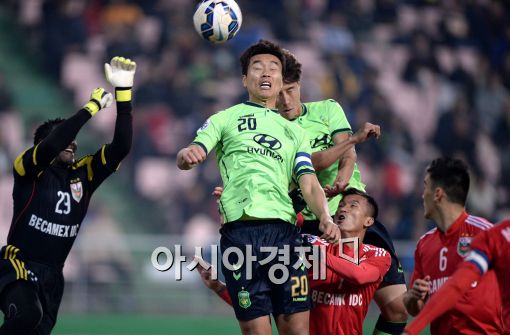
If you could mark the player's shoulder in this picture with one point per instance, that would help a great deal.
(18, 165)
(373, 251)
(428, 236)
(501, 230)
(477, 223)
(228, 114)
(293, 127)
(232, 110)
(82, 161)
(322, 106)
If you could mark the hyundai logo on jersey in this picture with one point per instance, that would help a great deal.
(267, 141)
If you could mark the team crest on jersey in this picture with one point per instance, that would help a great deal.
(244, 299)
(463, 245)
(76, 190)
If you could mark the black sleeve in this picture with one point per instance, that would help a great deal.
(60, 138)
(122, 138)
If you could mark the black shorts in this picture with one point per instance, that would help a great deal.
(50, 288)
(252, 286)
(376, 235)
(13, 267)
(49, 283)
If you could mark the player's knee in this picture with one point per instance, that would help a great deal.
(293, 324)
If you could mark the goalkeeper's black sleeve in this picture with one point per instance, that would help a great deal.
(123, 136)
(60, 137)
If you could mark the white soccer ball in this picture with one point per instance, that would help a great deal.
(217, 20)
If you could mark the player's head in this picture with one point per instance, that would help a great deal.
(45, 129)
(356, 212)
(289, 100)
(262, 67)
(446, 181)
(65, 157)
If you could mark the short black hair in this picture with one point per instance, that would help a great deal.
(452, 176)
(45, 129)
(372, 204)
(292, 72)
(262, 47)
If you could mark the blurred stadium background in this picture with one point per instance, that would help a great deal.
(434, 74)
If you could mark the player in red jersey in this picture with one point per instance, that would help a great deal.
(490, 250)
(341, 300)
(440, 251)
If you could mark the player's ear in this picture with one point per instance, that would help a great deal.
(369, 221)
(438, 193)
(244, 80)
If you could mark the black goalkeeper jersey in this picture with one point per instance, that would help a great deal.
(50, 204)
(50, 201)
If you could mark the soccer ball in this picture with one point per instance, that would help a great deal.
(217, 20)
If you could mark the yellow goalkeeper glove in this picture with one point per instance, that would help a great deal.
(99, 99)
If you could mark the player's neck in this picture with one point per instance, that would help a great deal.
(352, 234)
(447, 215)
(269, 103)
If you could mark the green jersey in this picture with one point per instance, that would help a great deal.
(322, 120)
(258, 153)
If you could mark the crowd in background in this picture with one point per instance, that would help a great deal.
(434, 74)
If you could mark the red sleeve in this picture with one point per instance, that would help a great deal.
(483, 251)
(418, 271)
(368, 271)
(446, 297)
(225, 296)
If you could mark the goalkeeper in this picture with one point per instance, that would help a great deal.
(51, 195)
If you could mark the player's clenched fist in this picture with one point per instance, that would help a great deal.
(366, 131)
(99, 99)
(190, 157)
(330, 230)
(420, 288)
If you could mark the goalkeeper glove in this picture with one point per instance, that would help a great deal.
(99, 99)
(120, 73)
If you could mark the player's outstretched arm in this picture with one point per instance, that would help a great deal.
(359, 274)
(445, 298)
(316, 200)
(348, 156)
(120, 74)
(191, 156)
(66, 132)
(416, 296)
(213, 284)
(323, 159)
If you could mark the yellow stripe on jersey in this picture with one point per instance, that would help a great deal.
(11, 251)
(19, 266)
(33, 155)
(15, 252)
(23, 271)
(103, 158)
(87, 160)
(18, 164)
(18, 272)
(7, 251)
